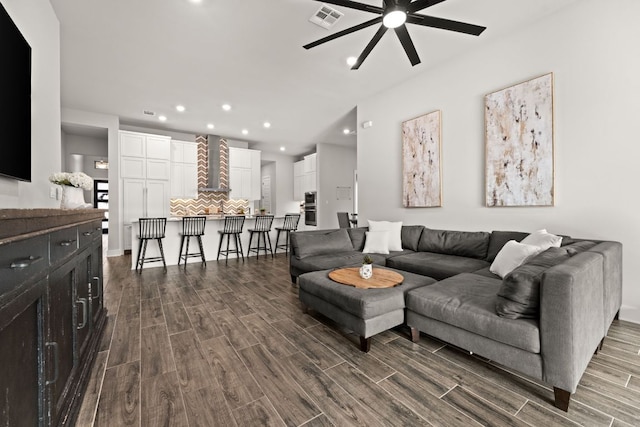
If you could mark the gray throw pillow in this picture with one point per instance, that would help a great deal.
(358, 237)
(309, 244)
(519, 295)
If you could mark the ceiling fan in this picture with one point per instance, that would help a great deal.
(395, 14)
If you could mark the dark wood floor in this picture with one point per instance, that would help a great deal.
(229, 345)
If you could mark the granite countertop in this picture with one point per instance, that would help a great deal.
(20, 223)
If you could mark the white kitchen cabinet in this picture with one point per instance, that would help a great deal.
(184, 170)
(310, 170)
(244, 174)
(145, 172)
(298, 180)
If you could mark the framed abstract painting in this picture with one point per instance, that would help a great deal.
(421, 161)
(519, 144)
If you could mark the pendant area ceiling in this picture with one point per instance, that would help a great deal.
(122, 57)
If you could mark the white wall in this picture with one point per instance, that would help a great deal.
(111, 124)
(282, 183)
(39, 26)
(592, 51)
(335, 166)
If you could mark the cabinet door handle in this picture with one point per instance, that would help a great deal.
(87, 233)
(97, 293)
(67, 242)
(83, 301)
(56, 361)
(24, 263)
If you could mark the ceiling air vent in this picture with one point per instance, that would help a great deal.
(326, 16)
(148, 113)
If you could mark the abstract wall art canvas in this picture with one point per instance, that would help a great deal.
(421, 161)
(519, 144)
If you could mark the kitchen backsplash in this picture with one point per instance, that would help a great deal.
(212, 200)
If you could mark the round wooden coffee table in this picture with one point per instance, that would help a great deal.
(381, 278)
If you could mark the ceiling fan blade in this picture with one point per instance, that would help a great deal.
(354, 5)
(344, 32)
(367, 50)
(407, 44)
(446, 24)
(421, 4)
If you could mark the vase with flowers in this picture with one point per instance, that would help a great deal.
(73, 185)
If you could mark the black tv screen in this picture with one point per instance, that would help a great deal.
(15, 101)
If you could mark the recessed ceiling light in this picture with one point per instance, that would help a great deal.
(210, 126)
(180, 108)
(351, 61)
(195, 1)
(346, 131)
(245, 132)
(282, 148)
(162, 118)
(226, 107)
(267, 125)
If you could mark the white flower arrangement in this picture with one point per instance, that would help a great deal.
(72, 179)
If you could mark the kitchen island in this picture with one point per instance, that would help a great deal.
(210, 240)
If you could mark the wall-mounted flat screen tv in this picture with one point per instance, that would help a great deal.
(15, 101)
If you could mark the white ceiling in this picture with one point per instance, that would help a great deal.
(121, 57)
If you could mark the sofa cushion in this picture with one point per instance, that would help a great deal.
(519, 295)
(308, 244)
(363, 303)
(394, 229)
(487, 273)
(512, 255)
(498, 239)
(472, 244)
(411, 236)
(438, 266)
(357, 237)
(579, 246)
(467, 301)
(337, 259)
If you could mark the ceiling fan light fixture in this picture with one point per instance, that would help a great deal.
(394, 18)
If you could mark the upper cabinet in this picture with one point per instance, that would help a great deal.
(310, 173)
(298, 180)
(184, 170)
(244, 173)
(144, 156)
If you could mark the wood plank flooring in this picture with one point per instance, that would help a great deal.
(229, 346)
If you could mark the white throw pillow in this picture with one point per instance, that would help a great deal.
(394, 229)
(377, 242)
(542, 239)
(512, 255)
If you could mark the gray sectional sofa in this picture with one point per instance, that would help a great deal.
(577, 294)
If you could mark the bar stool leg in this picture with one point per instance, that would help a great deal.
(239, 240)
(180, 253)
(201, 250)
(162, 255)
(139, 252)
(270, 246)
(286, 248)
(186, 254)
(250, 240)
(277, 239)
(220, 246)
(226, 260)
(144, 253)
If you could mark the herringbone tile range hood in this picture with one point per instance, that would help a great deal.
(218, 162)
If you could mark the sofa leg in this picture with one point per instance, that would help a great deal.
(617, 316)
(562, 398)
(305, 308)
(365, 344)
(415, 334)
(293, 280)
(599, 347)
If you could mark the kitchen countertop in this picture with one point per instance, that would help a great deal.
(210, 217)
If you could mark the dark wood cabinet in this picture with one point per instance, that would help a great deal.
(51, 319)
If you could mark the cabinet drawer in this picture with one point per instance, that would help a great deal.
(62, 244)
(23, 260)
(87, 233)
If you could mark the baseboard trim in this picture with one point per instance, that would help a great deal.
(630, 314)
